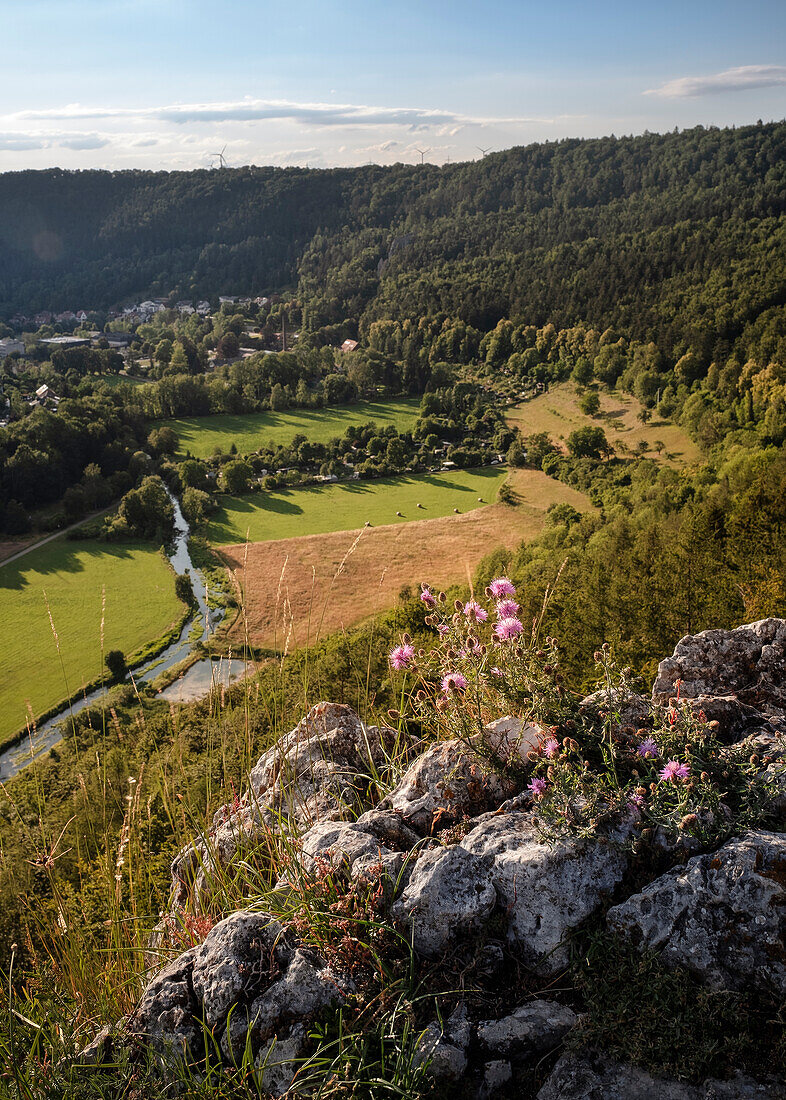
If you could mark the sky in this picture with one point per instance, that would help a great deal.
(167, 84)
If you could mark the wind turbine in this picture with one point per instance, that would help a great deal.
(222, 163)
(422, 153)
(482, 150)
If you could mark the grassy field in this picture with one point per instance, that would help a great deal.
(348, 504)
(202, 434)
(557, 412)
(140, 605)
(297, 588)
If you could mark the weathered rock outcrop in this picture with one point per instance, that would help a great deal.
(748, 663)
(321, 771)
(578, 1077)
(546, 890)
(457, 863)
(723, 916)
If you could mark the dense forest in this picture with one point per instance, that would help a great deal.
(677, 237)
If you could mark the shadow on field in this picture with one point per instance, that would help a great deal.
(60, 556)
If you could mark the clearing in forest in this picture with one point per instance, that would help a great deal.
(345, 505)
(557, 412)
(41, 669)
(297, 589)
(249, 431)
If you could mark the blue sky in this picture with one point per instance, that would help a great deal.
(165, 83)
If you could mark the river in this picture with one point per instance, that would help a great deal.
(197, 681)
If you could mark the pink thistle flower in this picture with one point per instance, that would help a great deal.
(636, 802)
(502, 587)
(443, 629)
(427, 596)
(507, 609)
(551, 747)
(648, 747)
(538, 787)
(401, 657)
(474, 611)
(508, 629)
(453, 681)
(673, 771)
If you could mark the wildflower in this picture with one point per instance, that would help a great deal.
(453, 681)
(648, 747)
(508, 629)
(507, 609)
(502, 587)
(473, 610)
(636, 801)
(496, 671)
(537, 787)
(427, 596)
(443, 629)
(401, 656)
(551, 747)
(673, 771)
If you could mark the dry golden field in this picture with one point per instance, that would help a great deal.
(296, 590)
(557, 413)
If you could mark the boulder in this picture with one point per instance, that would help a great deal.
(531, 1028)
(546, 890)
(748, 662)
(511, 738)
(167, 1016)
(446, 782)
(496, 1074)
(449, 895)
(723, 915)
(595, 1077)
(443, 1049)
(322, 770)
(279, 1061)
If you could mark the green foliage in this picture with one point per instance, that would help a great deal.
(115, 661)
(589, 443)
(146, 512)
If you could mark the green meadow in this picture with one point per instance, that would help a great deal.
(346, 505)
(202, 434)
(39, 669)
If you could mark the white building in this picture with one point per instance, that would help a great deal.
(9, 345)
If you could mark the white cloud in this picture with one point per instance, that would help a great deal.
(262, 110)
(85, 141)
(731, 80)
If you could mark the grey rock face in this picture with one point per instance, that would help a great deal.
(449, 895)
(279, 1061)
(167, 1015)
(445, 1049)
(723, 915)
(749, 662)
(342, 844)
(495, 1075)
(546, 889)
(319, 771)
(444, 783)
(512, 739)
(242, 952)
(584, 1077)
(530, 1029)
(630, 709)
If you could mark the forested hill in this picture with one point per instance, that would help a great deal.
(679, 236)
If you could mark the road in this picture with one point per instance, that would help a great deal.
(54, 535)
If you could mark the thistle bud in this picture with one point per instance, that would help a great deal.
(394, 714)
(705, 777)
(754, 759)
(442, 597)
(458, 605)
(406, 639)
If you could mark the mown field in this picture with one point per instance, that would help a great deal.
(345, 505)
(202, 434)
(557, 412)
(39, 669)
(297, 589)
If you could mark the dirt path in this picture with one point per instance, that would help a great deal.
(5, 547)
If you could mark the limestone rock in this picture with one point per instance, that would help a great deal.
(242, 952)
(723, 915)
(588, 1077)
(445, 1048)
(167, 1015)
(512, 738)
(342, 844)
(279, 1061)
(446, 782)
(530, 1029)
(495, 1075)
(546, 889)
(449, 895)
(321, 770)
(628, 708)
(748, 662)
